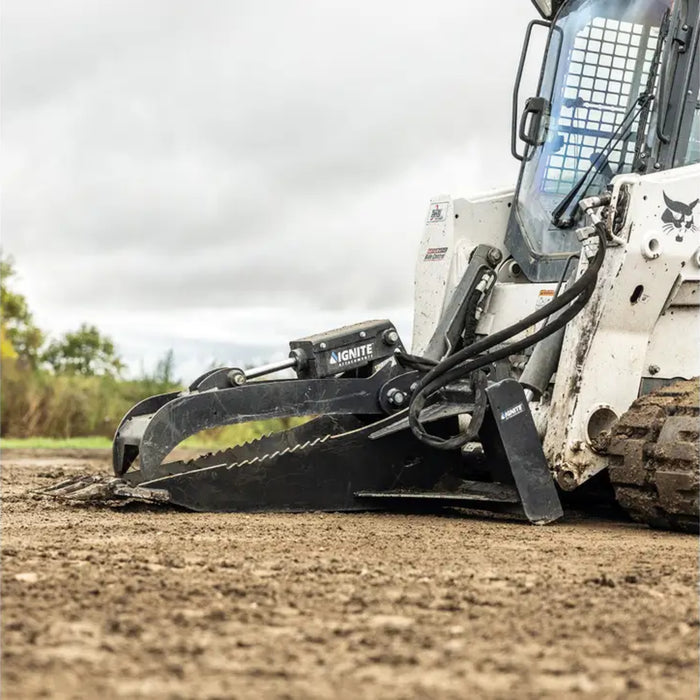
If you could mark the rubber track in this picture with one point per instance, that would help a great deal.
(655, 460)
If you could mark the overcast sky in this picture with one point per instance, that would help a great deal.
(220, 177)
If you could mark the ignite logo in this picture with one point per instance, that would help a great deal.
(351, 355)
(512, 412)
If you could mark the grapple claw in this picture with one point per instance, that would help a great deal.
(89, 488)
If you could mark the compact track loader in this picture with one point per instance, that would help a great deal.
(556, 331)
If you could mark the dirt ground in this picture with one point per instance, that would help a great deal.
(137, 602)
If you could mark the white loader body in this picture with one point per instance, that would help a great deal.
(641, 327)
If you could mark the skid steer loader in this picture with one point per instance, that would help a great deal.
(556, 331)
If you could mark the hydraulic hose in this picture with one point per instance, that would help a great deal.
(477, 355)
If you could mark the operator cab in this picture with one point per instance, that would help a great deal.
(618, 93)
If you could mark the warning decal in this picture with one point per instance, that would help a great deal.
(544, 297)
(438, 212)
(435, 254)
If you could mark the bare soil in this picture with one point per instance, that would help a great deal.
(135, 602)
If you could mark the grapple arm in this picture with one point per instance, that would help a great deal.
(359, 454)
(153, 436)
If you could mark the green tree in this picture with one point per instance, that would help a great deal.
(165, 368)
(17, 321)
(85, 351)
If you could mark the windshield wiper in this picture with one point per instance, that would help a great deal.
(599, 160)
(599, 163)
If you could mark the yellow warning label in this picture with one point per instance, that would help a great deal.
(544, 297)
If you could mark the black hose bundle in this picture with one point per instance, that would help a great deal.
(475, 356)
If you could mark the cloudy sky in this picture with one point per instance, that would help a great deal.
(221, 176)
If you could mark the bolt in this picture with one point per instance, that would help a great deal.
(363, 334)
(323, 346)
(396, 397)
(654, 369)
(494, 256)
(391, 337)
(413, 387)
(567, 480)
(657, 166)
(236, 377)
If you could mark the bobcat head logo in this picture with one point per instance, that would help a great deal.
(678, 217)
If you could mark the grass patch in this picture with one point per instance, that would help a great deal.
(76, 443)
(230, 435)
(218, 438)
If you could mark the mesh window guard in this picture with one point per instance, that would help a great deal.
(608, 68)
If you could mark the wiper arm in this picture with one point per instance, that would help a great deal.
(600, 160)
(598, 163)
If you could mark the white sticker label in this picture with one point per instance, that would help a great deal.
(543, 298)
(438, 212)
(433, 254)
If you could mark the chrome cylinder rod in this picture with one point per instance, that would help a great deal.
(261, 371)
